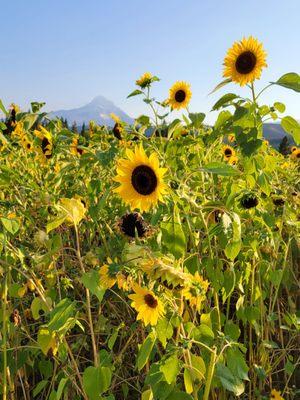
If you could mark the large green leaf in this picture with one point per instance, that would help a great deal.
(290, 80)
(291, 126)
(228, 380)
(60, 315)
(220, 168)
(96, 380)
(224, 100)
(145, 351)
(170, 368)
(91, 281)
(173, 236)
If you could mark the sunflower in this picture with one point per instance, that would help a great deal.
(249, 200)
(179, 95)
(141, 179)
(147, 304)
(244, 61)
(228, 151)
(195, 293)
(276, 395)
(108, 274)
(145, 80)
(295, 154)
(293, 148)
(232, 160)
(231, 138)
(74, 149)
(132, 224)
(46, 138)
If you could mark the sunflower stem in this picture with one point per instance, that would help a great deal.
(210, 373)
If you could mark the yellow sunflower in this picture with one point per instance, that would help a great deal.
(231, 138)
(147, 304)
(74, 149)
(295, 154)
(275, 395)
(179, 95)
(244, 61)
(293, 148)
(141, 179)
(107, 277)
(47, 142)
(195, 293)
(145, 80)
(228, 151)
(232, 160)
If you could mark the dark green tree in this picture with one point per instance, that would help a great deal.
(82, 129)
(284, 146)
(74, 127)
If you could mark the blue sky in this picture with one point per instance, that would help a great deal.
(65, 52)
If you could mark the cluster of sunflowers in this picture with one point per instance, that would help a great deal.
(173, 241)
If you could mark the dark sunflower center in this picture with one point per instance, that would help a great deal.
(117, 131)
(150, 300)
(131, 222)
(227, 152)
(144, 180)
(180, 96)
(45, 146)
(245, 62)
(298, 155)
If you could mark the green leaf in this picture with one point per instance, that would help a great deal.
(237, 364)
(39, 387)
(55, 223)
(198, 367)
(47, 341)
(170, 368)
(164, 331)
(221, 84)
(145, 351)
(197, 119)
(219, 168)
(228, 380)
(280, 107)
(134, 93)
(96, 380)
(224, 100)
(92, 282)
(289, 81)
(232, 330)
(188, 382)
(61, 314)
(11, 225)
(179, 396)
(2, 108)
(291, 126)
(60, 388)
(173, 236)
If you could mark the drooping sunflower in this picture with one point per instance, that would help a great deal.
(179, 95)
(195, 292)
(145, 80)
(295, 154)
(228, 151)
(74, 149)
(132, 224)
(108, 274)
(244, 61)
(249, 200)
(141, 179)
(147, 304)
(47, 142)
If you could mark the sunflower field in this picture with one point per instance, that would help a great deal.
(157, 261)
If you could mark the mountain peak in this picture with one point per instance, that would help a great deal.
(98, 110)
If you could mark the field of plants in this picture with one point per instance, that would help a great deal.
(158, 261)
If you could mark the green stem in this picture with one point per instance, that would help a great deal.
(210, 373)
(4, 338)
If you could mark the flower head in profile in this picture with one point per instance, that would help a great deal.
(145, 80)
(244, 61)
(179, 95)
(132, 225)
(46, 141)
(149, 307)
(195, 291)
(141, 179)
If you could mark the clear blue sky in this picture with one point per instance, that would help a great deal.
(66, 52)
